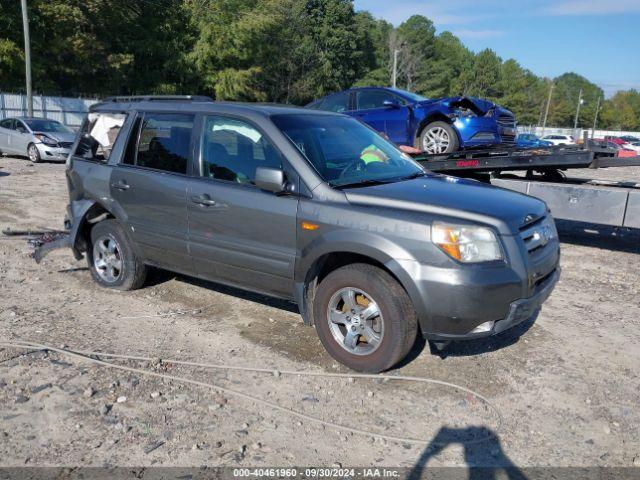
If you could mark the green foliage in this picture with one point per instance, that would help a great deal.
(274, 50)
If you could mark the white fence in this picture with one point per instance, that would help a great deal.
(577, 133)
(69, 111)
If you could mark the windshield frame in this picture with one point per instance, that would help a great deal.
(418, 171)
(412, 97)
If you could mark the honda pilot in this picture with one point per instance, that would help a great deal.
(309, 206)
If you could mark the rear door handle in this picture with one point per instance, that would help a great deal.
(121, 185)
(204, 200)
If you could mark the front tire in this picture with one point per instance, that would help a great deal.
(364, 318)
(33, 153)
(112, 261)
(437, 138)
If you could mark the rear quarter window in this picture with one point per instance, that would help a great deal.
(98, 135)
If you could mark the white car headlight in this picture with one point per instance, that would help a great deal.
(466, 243)
(46, 140)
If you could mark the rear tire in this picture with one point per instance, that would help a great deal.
(437, 138)
(365, 341)
(112, 261)
(33, 153)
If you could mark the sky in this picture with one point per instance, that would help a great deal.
(599, 39)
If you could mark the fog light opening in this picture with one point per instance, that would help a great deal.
(484, 327)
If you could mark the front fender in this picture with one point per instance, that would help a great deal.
(395, 259)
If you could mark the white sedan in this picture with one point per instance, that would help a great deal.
(633, 146)
(560, 139)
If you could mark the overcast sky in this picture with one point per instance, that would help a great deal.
(599, 39)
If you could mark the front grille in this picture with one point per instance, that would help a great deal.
(65, 144)
(507, 121)
(536, 235)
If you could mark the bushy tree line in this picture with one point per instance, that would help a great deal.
(273, 50)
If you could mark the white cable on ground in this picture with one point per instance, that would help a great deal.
(87, 356)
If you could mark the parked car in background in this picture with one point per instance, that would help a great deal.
(560, 139)
(623, 151)
(630, 139)
(433, 125)
(616, 140)
(635, 146)
(530, 140)
(37, 138)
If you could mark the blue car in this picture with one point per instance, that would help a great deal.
(529, 140)
(433, 125)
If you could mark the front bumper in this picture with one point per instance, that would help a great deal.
(478, 132)
(55, 154)
(471, 301)
(519, 311)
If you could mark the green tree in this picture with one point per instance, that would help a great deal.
(442, 71)
(621, 112)
(483, 79)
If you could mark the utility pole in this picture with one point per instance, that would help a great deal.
(575, 124)
(27, 56)
(546, 113)
(595, 118)
(395, 67)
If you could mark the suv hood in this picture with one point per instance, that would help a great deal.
(455, 197)
(479, 106)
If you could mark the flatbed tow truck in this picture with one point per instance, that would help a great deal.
(543, 173)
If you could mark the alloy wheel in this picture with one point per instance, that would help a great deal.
(355, 321)
(32, 152)
(436, 140)
(107, 259)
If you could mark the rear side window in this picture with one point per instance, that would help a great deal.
(367, 99)
(98, 135)
(8, 123)
(336, 103)
(232, 150)
(165, 142)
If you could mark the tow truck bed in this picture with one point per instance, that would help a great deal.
(584, 200)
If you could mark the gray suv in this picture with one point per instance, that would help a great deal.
(309, 206)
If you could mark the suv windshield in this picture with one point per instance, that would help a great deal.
(47, 126)
(345, 152)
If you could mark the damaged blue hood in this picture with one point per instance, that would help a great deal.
(478, 105)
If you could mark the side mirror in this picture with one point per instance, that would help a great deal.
(270, 179)
(391, 104)
(21, 130)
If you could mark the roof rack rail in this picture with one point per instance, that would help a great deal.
(152, 98)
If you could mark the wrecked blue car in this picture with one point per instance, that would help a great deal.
(441, 125)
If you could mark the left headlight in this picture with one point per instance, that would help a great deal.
(46, 140)
(466, 243)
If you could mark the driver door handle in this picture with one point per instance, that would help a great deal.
(121, 185)
(204, 200)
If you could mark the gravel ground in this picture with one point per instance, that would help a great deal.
(565, 384)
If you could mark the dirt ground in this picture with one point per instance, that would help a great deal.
(565, 384)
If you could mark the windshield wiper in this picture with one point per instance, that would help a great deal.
(413, 175)
(363, 183)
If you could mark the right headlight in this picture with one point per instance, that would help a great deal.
(466, 243)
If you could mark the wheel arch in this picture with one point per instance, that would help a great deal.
(436, 116)
(85, 214)
(325, 262)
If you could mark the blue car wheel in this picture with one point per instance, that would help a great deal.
(438, 137)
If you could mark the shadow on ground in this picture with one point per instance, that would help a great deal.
(618, 239)
(157, 276)
(485, 459)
